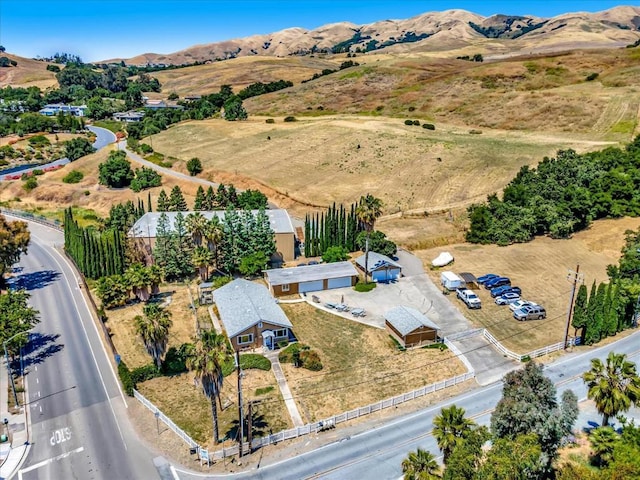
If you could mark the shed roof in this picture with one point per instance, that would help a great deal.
(468, 277)
(147, 225)
(242, 304)
(376, 261)
(309, 273)
(406, 319)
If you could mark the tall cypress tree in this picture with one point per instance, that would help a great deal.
(177, 203)
(591, 332)
(200, 201)
(579, 320)
(163, 202)
(149, 206)
(210, 202)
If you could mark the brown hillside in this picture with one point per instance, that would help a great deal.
(28, 73)
(445, 31)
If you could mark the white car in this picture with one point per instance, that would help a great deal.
(517, 305)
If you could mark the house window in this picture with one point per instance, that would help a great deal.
(285, 287)
(280, 333)
(244, 339)
(259, 324)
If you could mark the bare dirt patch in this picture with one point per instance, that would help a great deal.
(540, 268)
(361, 364)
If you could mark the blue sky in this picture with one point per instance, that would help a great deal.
(102, 29)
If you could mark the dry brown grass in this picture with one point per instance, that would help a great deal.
(361, 364)
(28, 73)
(540, 268)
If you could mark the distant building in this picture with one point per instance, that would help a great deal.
(53, 109)
(160, 104)
(146, 226)
(128, 116)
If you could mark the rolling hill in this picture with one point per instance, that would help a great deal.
(27, 73)
(451, 31)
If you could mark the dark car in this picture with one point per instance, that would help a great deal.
(486, 277)
(496, 292)
(497, 282)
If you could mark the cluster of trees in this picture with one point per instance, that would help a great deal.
(226, 196)
(139, 280)
(260, 88)
(336, 227)
(96, 254)
(561, 196)
(116, 172)
(122, 216)
(329, 71)
(78, 147)
(34, 122)
(528, 427)
(7, 62)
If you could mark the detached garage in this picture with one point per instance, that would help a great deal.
(410, 327)
(380, 267)
(310, 278)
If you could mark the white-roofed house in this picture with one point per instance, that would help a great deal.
(410, 327)
(311, 278)
(250, 316)
(381, 268)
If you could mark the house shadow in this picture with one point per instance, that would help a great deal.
(40, 347)
(35, 280)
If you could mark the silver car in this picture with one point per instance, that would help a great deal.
(530, 312)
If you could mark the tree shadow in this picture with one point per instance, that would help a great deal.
(35, 280)
(259, 425)
(40, 347)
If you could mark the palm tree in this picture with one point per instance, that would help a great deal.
(154, 327)
(450, 428)
(603, 442)
(420, 465)
(368, 211)
(205, 360)
(613, 387)
(155, 277)
(137, 276)
(214, 233)
(202, 258)
(196, 224)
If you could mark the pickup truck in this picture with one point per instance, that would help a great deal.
(469, 298)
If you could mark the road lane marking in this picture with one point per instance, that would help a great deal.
(48, 461)
(36, 367)
(174, 473)
(93, 355)
(37, 380)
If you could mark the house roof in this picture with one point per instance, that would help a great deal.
(147, 225)
(309, 273)
(376, 261)
(406, 319)
(242, 304)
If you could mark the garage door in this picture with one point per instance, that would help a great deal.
(339, 282)
(310, 286)
(386, 275)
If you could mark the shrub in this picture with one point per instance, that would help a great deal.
(145, 178)
(379, 108)
(290, 119)
(397, 343)
(30, 184)
(270, 120)
(145, 148)
(592, 76)
(264, 390)
(408, 122)
(175, 361)
(37, 172)
(310, 360)
(142, 374)
(255, 361)
(475, 132)
(116, 171)
(194, 166)
(429, 126)
(412, 108)
(436, 346)
(39, 141)
(287, 355)
(125, 377)
(74, 176)
(364, 287)
(86, 193)
(416, 122)
(525, 359)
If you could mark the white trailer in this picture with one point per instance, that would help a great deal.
(451, 281)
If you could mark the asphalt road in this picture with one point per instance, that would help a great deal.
(79, 426)
(378, 452)
(103, 137)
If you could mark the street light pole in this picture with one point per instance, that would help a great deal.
(6, 358)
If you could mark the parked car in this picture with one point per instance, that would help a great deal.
(530, 312)
(497, 282)
(517, 305)
(496, 292)
(507, 298)
(486, 277)
(470, 299)
(313, 262)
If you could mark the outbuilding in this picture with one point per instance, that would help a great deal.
(250, 316)
(470, 280)
(410, 327)
(380, 267)
(310, 278)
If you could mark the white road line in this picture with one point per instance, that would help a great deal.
(92, 352)
(38, 393)
(174, 473)
(40, 408)
(37, 380)
(48, 461)
(36, 367)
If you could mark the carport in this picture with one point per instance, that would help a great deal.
(470, 279)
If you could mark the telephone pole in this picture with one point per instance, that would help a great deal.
(250, 424)
(575, 277)
(241, 422)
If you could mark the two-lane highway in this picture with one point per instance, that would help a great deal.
(79, 427)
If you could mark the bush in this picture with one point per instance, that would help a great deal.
(592, 76)
(37, 172)
(397, 343)
(142, 374)
(125, 378)
(364, 287)
(194, 166)
(144, 148)
(436, 346)
(412, 109)
(475, 132)
(416, 122)
(287, 355)
(255, 361)
(290, 119)
(525, 359)
(145, 178)
(74, 176)
(30, 184)
(116, 171)
(429, 126)
(175, 361)
(311, 360)
(408, 122)
(270, 120)
(39, 141)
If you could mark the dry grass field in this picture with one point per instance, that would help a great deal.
(540, 268)
(361, 364)
(28, 73)
(316, 161)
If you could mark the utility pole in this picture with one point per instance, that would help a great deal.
(250, 424)
(575, 277)
(241, 422)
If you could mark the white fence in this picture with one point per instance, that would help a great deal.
(459, 354)
(533, 354)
